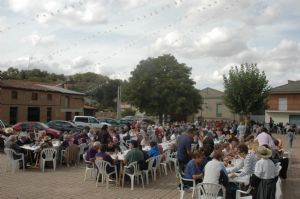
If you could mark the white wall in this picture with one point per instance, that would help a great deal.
(277, 117)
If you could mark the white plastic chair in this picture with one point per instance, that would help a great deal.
(193, 147)
(156, 167)
(81, 150)
(101, 165)
(48, 155)
(149, 162)
(166, 162)
(89, 167)
(14, 163)
(239, 192)
(181, 181)
(136, 173)
(210, 191)
(173, 159)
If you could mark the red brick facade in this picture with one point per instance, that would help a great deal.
(293, 101)
(50, 105)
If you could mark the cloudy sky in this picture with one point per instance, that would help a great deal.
(111, 36)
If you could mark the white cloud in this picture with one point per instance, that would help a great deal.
(36, 39)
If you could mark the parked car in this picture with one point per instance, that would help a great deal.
(92, 122)
(63, 126)
(38, 126)
(110, 121)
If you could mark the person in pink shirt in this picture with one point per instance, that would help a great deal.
(264, 138)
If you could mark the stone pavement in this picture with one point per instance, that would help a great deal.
(68, 183)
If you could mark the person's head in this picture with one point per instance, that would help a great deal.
(152, 144)
(104, 127)
(264, 129)
(243, 150)
(103, 148)
(191, 132)
(96, 145)
(218, 155)
(263, 152)
(198, 157)
(86, 129)
(133, 144)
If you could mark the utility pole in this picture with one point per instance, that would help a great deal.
(119, 103)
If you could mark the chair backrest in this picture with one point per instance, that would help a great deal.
(168, 155)
(48, 154)
(81, 148)
(209, 190)
(133, 165)
(101, 165)
(10, 153)
(150, 162)
(157, 161)
(193, 147)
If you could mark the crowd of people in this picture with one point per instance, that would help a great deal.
(207, 152)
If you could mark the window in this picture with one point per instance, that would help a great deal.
(13, 115)
(34, 96)
(37, 126)
(49, 114)
(219, 110)
(49, 97)
(14, 95)
(282, 104)
(67, 102)
(82, 119)
(93, 120)
(24, 127)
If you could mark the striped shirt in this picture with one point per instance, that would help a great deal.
(247, 166)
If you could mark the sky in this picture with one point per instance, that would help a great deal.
(111, 37)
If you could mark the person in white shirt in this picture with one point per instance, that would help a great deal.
(265, 175)
(214, 171)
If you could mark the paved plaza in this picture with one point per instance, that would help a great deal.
(68, 183)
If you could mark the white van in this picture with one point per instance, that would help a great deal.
(90, 121)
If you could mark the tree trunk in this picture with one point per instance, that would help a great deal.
(160, 115)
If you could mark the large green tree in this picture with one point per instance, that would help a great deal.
(162, 86)
(246, 89)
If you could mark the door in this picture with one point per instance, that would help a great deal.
(68, 116)
(295, 119)
(33, 114)
(13, 115)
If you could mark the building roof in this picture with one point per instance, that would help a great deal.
(36, 86)
(290, 87)
(211, 93)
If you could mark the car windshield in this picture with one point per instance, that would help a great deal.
(43, 125)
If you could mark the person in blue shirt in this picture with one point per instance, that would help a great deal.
(154, 151)
(195, 168)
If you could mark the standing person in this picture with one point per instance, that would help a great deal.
(271, 124)
(242, 130)
(184, 144)
(265, 175)
(291, 136)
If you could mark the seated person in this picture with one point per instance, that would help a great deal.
(102, 155)
(214, 171)
(83, 136)
(11, 144)
(92, 151)
(46, 143)
(247, 164)
(23, 140)
(134, 154)
(143, 165)
(195, 168)
(72, 153)
(112, 146)
(154, 151)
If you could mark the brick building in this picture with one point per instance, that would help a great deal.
(36, 101)
(284, 104)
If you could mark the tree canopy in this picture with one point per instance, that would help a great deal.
(101, 89)
(162, 86)
(246, 89)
